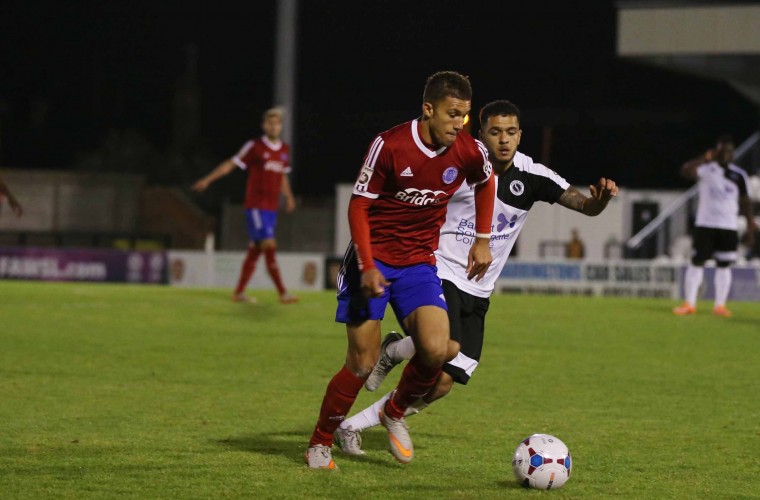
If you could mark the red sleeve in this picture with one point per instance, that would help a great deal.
(484, 200)
(483, 170)
(358, 222)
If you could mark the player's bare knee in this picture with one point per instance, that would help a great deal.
(266, 244)
(432, 350)
(453, 350)
(434, 356)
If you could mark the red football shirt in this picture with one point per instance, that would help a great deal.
(266, 163)
(410, 186)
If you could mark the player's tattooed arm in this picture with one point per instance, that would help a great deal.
(572, 199)
(601, 194)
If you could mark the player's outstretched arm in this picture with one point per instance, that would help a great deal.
(689, 169)
(12, 201)
(601, 194)
(220, 171)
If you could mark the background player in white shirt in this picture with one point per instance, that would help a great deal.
(520, 182)
(723, 194)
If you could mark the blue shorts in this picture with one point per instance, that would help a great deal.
(260, 223)
(410, 287)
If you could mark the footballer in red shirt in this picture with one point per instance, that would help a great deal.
(267, 160)
(398, 206)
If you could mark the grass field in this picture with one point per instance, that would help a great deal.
(152, 392)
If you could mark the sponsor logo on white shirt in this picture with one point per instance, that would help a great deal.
(502, 221)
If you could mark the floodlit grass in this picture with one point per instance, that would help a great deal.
(153, 392)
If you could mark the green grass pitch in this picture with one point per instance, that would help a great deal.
(110, 391)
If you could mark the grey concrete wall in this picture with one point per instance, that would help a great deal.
(309, 229)
(72, 201)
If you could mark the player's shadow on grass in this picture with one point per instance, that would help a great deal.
(292, 445)
(511, 485)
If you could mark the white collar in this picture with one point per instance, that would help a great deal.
(271, 145)
(421, 145)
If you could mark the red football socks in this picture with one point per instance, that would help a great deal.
(274, 270)
(249, 266)
(339, 397)
(416, 381)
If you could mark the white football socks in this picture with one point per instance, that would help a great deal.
(401, 350)
(691, 282)
(370, 416)
(722, 285)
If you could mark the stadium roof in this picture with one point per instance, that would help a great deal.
(716, 40)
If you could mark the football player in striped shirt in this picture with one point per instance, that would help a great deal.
(395, 214)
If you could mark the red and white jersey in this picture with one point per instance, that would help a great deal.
(411, 185)
(266, 162)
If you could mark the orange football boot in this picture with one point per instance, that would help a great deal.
(722, 311)
(684, 309)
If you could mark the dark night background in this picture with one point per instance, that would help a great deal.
(92, 85)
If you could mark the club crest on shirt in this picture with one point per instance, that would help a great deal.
(450, 175)
(517, 188)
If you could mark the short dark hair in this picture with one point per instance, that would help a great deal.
(498, 108)
(445, 84)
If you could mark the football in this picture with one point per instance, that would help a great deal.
(542, 461)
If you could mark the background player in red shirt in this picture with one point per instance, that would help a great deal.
(409, 174)
(267, 160)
